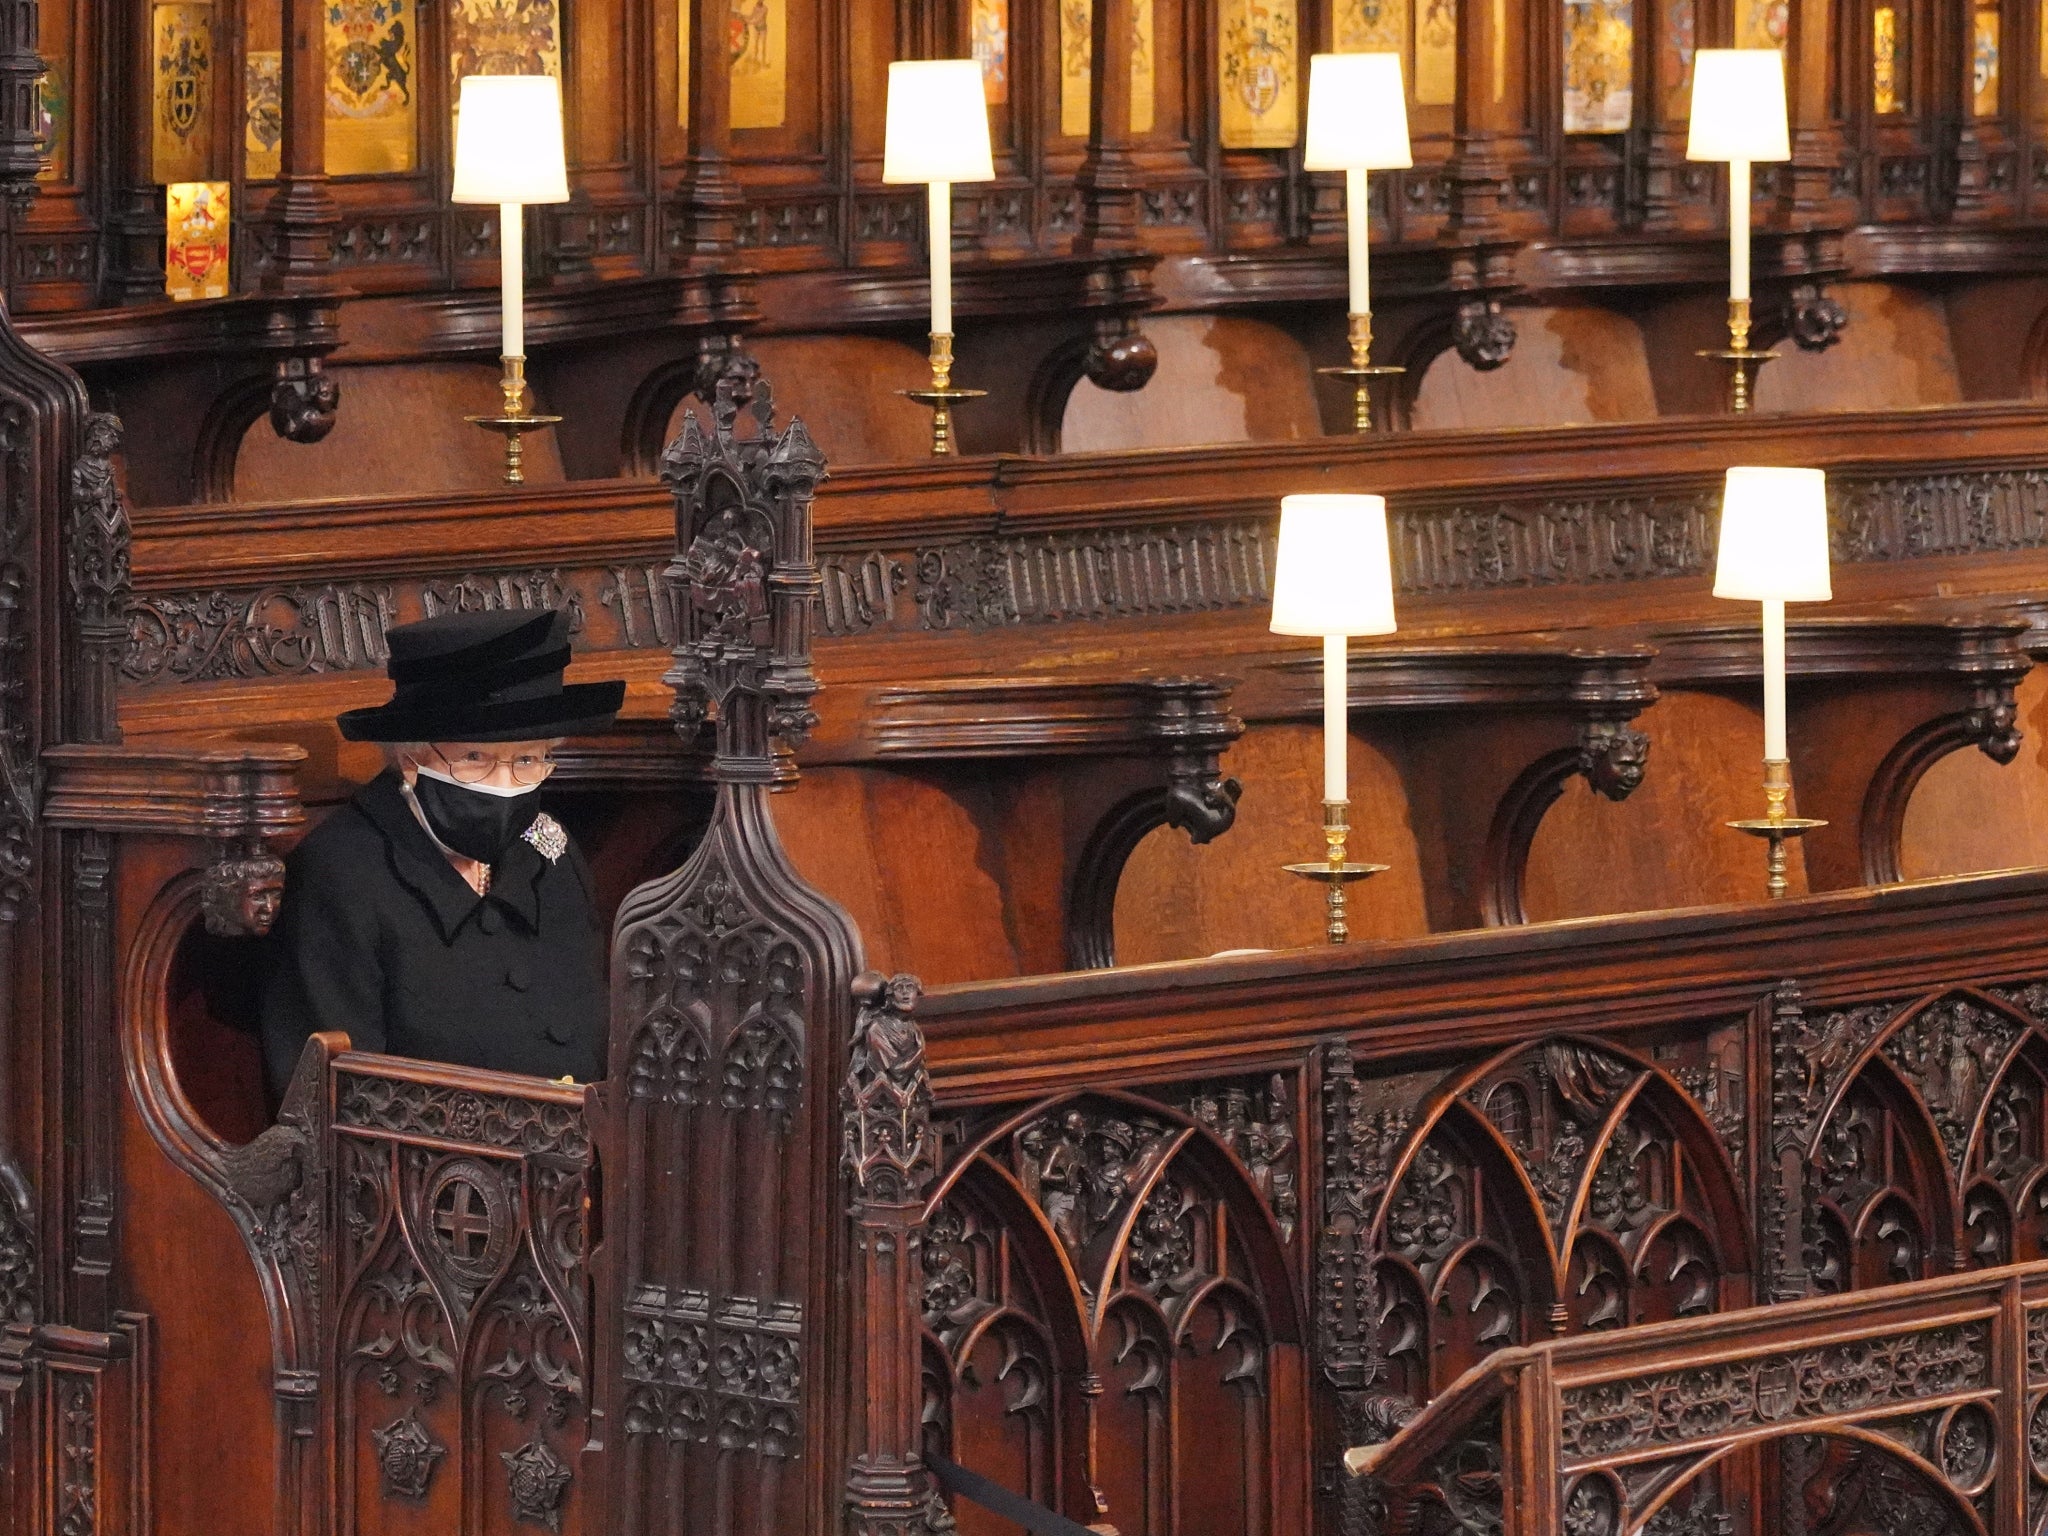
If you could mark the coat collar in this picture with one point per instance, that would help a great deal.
(424, 870)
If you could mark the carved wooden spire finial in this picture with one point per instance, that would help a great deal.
(744, 580)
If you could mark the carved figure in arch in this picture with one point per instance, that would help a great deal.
(1952, 1052)
(890, 1149)
(1080, 1170)
(1261, 1134)
(1847, 1486)
(727, 579)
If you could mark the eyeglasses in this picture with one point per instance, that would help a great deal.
(474, 767)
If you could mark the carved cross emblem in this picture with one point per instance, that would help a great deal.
(463, 1219)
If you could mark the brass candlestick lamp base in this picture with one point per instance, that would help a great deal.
(1335, 871)
(514, 421)
(1774, 825)
(942, 397)
(1361, 372)
(1743, 363)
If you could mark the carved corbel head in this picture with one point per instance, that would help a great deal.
(241, 893)
(1613, 756)
(1813, 320)
(725, 370)
(1484, 337)
(304, 399)
(1199, 799)
(1995, 723)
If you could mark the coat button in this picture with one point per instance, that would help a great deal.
(561, 1034)
(487, 920)
(515, 978)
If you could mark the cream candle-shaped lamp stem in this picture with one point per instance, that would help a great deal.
(1358, 233)
(512, 275)
(1357, 122)
(939, 196)
(1336, 716)
(1774, 680)
(1738, 229)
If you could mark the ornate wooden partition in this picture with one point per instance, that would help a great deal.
(73, 1378)
(734, 1378)
(1198, 1231)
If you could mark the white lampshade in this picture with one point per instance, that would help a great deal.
(1357, 113)
(1774, 536)
(1334, 575)
(508, 140)
(1738, 105)
(938, 123)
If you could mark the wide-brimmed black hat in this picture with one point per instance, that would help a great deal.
(484, 677)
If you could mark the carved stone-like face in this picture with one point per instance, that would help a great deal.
(241, 896)
(1627, 760)
(102, 434)
(259, 902)
(903, 992)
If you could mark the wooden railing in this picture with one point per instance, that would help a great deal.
(1912, 1407)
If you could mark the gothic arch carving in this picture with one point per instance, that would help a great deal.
(1991, 725)
(1903, 1132)
(1110, 1239)
(1554, 1187)
(461, 1309)
(1051, 385)
(1848, 1471)
(219, 441)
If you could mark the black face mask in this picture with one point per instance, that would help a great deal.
(475, 823)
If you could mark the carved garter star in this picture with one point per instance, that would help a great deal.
(547, 837)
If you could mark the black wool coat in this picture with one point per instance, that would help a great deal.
(381, 939)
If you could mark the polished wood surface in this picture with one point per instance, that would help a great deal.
(1533, 264)
(1146, 1232)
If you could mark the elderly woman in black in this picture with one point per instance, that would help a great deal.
(441, 913)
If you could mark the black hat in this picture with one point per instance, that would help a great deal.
(484, 677)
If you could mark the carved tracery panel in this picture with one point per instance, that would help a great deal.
(460, 1349)
(715, 1078)
(1110, 1311)
(1926, 1142)
(1560, 1187)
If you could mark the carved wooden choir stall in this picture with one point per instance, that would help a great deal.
(725, 172)
(978, 1102)
(1488, 1209)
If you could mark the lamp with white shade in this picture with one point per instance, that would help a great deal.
(508, 151)
(1774, 550)
(1333, 579)
(1738, 115)
(936, 132)
(1357, 122)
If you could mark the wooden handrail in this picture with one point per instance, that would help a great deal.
(1746, 1376)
